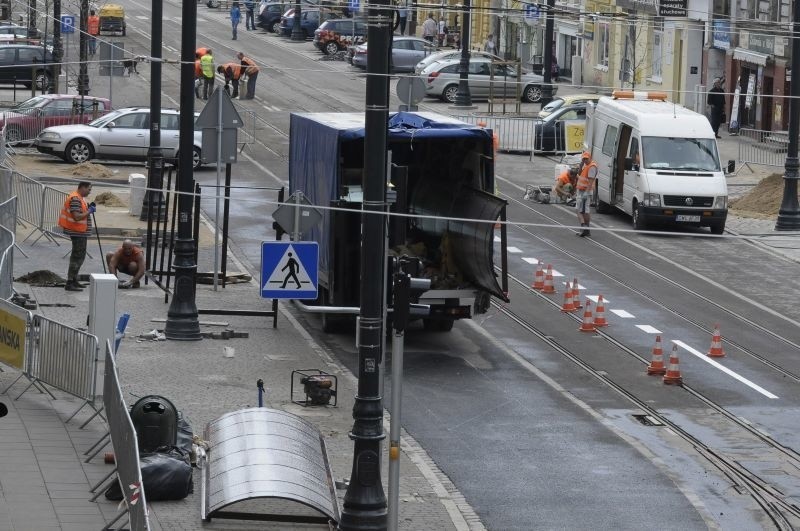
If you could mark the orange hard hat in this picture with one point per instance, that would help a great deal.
(586, 155)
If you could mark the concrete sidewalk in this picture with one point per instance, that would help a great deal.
(45, 485)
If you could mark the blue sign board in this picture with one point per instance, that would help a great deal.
(354, 5)
(531, 11)
(289, 270)
(721, 33)
(67, 23)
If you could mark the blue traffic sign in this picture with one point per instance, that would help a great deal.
(67, 23)
(354, 5)
(531, 11)
(289, 270)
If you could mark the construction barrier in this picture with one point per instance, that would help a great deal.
(126, 450)
(765, 148)
(63, 357)
(514, 133)
(8, 220)
(14, 335)
(52, 202)
(29, 194)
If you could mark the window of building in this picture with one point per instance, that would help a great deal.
(658, 38)
(603, 37)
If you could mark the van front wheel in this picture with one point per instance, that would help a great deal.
(717, 228)
(638, 221)
(600, 206)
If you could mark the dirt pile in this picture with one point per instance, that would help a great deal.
(92, 171)
(109, 199)
(42, 278)
(763, 201)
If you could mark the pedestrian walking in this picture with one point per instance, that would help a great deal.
(586, 179)
(128, 259)
(249, 18)
(489, 46)
(402, 13)
(232, 72)
(93, 29)
(236, 18)
(207, 68)
(75, 220)
(716, 100)
(250, 68)
(429, 28)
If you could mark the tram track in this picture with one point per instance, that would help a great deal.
(674, 284)
(784, 514)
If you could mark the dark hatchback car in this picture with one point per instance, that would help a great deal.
(23, 64)
(309, 21)
(337, 34)
(551, 131)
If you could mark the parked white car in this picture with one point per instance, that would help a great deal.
(450, 54)
(123, 134)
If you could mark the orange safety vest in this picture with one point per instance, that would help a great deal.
(67, 222)
(251, 66)
(236, 70)
(584, 181)
(564, 177)
(93, 25)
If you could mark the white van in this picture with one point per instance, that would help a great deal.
(657, 161)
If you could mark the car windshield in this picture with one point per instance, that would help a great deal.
(38, 101)
(103, 120)
(688, 154)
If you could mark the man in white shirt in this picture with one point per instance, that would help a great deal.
(429, 28)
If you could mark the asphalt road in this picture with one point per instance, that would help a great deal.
(535, 422)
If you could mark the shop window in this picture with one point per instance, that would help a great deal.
(658, 38)
(603, 43)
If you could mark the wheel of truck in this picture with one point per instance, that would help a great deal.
(600, 206)
(438, 325)
(717, 228)
(449, 93)
(331, 48)
(638, 222)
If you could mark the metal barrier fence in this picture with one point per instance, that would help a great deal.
(126, 450)
(514, 134)
(52, 202)
(15, 323)
(29, 194)
(63, 357)
(8, 221)
(767, 148)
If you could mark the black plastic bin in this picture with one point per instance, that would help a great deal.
(156, 422)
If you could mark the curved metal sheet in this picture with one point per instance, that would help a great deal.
(258, 459)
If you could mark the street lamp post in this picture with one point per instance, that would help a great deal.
(83, 71)
(789, 213)
(547, 87)
(182, 318)
(463, 96)
(153, 204)
(58, 50)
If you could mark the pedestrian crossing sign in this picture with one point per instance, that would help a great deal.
(289, 270)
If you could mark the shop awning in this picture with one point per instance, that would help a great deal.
(743, 54)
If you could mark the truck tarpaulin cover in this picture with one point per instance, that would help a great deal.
(314, 168)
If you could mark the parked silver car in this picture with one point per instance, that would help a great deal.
(123, 134)
(443, 55)
(406, 53)
(441, 81)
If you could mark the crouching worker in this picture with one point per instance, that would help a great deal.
(565, 185)
(128, 259)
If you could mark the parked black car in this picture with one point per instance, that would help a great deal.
(270, 13)
(25, 64)
(334, 35)
(550, 132)
(309, 21)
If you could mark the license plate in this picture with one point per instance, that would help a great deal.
(690, 219)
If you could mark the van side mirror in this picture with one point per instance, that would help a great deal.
(628, 164)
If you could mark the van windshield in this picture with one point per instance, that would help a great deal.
(688, 154)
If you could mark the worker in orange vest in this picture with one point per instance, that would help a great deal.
(565, 184)
(232, 72)
(586, 179)
(75, 220)
(198, 71)
(251, 70)
(93, 29)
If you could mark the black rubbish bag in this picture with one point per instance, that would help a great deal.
(166, 475)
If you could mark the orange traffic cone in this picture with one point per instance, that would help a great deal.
(548, 281)
(716, 344)
(568, 306)
(576, 294)
(587, 325)
(538, 278)
(656, 366)
(600, 313)
(673, 374)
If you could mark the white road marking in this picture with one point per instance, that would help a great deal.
(594, 298)
(724, 369)
(531, 261)
(647, 329)
(514, 250)
(555, 273)
(622, 313)
(170, 48)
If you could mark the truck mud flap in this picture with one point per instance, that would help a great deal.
(471, 243)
